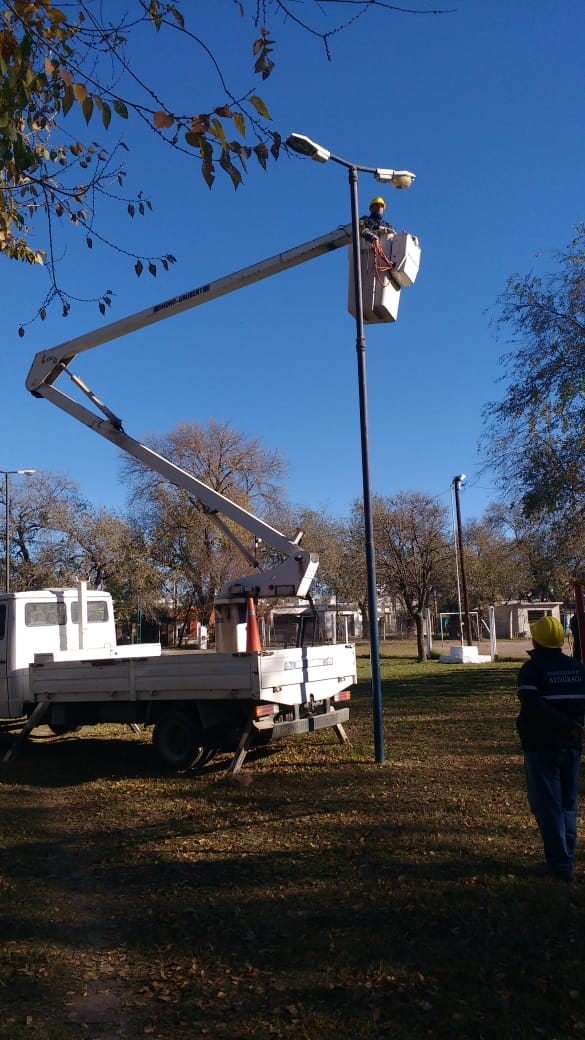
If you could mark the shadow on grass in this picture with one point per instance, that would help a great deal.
(346, 912)
(323, 897)
(56, 762)
(50, 761)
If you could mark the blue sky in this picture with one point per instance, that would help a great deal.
(485, 104)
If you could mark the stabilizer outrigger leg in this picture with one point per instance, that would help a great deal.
(34, 720)
(243, 747)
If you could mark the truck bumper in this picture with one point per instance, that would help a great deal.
(310, 724)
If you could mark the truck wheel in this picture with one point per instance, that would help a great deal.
(175, 741)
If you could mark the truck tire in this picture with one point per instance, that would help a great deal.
(175, 741)
(60, 729)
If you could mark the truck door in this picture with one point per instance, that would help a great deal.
(4, 708)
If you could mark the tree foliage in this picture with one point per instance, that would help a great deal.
(537, 430)
(39, 507)
(169, 551)
(323, 534)
(56, 538)
(351, 582)
(496, 563)
(113, 553)
(78, 58)
(197, 555)
(71, 72)
(410, 531)
(544, 555)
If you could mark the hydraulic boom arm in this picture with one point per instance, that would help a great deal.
(293, 575)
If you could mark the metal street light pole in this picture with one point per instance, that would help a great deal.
(399, 179)
(372, 591)
(7, 473)
(457, 482)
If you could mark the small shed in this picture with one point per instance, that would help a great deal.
(513, 619)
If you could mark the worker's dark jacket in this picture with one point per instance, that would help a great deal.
(372, 227)
(551, 688)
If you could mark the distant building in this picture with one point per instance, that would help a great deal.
(513, 619)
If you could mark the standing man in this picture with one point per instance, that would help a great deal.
(551, 689)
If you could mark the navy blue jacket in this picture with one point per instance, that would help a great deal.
(551, 689)
(371, 227)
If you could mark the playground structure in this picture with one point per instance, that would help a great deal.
(463, 654)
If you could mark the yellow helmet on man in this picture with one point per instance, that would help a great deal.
(548, 632)
(378, 201)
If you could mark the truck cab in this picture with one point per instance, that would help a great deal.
(47, 621)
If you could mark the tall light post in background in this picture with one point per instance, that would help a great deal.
(457, 482)
(8, 473)
(398, 179)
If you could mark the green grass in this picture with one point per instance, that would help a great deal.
(322, 897)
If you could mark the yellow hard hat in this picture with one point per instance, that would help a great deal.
(549, 632)
(377, 202)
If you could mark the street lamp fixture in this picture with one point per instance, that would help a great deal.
(304, 146)
(398, 179)
(8, 473)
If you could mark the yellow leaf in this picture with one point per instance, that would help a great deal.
(259, 106)
(239, 123)
(79, 91)
(217, 130)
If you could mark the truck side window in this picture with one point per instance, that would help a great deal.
(41, 615)
(97, 611)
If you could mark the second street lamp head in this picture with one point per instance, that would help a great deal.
(400, 179)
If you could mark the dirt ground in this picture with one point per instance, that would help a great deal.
(506, 648)
(321, 897)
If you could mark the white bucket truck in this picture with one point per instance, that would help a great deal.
(60, 665)
(73, 674)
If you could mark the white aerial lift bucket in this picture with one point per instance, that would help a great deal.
(387, 265)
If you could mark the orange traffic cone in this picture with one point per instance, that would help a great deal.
(253, 644)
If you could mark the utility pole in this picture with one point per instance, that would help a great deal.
(457, 482)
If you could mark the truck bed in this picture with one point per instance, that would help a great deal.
(101, 653)
(284, 676)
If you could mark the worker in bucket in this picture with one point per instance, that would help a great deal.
(551, 690)
(374, 223)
